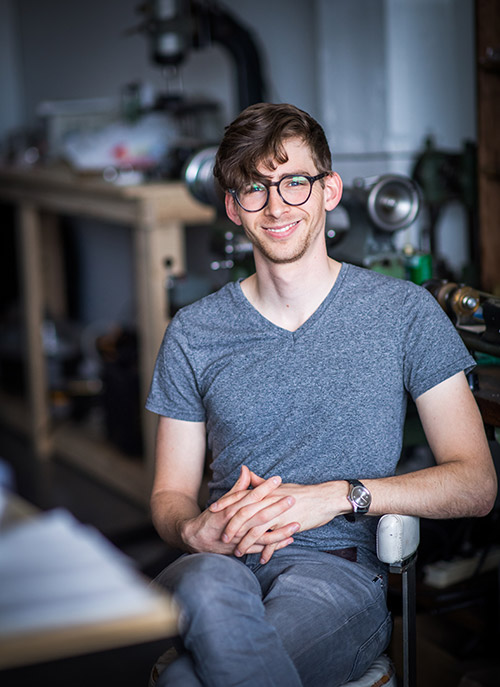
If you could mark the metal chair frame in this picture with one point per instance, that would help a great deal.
(402, 560)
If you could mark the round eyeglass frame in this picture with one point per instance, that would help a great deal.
(267, 186)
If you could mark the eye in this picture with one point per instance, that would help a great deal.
(295, 181)
(254, 187)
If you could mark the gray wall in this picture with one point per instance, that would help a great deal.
(11, 77)
(380, 75)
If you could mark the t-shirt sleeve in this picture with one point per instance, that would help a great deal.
(174, 390)
(432, 348)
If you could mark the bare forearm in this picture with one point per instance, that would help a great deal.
(169, 511)
(449, 490)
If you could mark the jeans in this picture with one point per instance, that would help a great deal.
(305, 618)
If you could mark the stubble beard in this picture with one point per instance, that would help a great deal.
(275, 258)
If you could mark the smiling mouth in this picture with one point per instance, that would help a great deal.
(281, 230)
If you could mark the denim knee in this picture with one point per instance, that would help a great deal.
(202, 582)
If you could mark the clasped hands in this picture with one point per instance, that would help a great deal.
(259, 516)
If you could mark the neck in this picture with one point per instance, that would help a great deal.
(288, 294)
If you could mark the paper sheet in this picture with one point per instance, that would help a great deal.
(56, 572)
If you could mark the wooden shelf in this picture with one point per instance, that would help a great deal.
(157, 214)
(77, 445)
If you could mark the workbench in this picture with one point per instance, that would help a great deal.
(157, 213)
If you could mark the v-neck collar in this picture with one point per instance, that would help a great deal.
(262, 321)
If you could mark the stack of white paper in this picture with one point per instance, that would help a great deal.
(56, 572)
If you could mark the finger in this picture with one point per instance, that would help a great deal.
(279, 534)
(267, 553)
(283, 543)
(258, 548)
(243, 481)
(255, 515)
(252, 496)
(236, 492)
(226, 501)
(269, 550)
(274, 538)
(255, 480)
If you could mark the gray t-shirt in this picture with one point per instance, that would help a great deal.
(325, 402)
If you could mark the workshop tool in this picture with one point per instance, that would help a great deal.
(378, 207)
(475, 313)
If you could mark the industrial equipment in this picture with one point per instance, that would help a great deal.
(446, 177)
(200, 180)
(449, 178)
(176, 27)
(377, 207)
(476, 314)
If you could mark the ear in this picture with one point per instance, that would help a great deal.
(232, 209)
(333, 190)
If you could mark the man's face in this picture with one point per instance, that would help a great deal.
(283, 233)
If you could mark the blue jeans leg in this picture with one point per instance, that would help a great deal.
(331, 614)
(224, 625)
(180, 672)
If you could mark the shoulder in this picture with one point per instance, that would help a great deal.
(214, 306)
(209, 318)
(368, 278)
(378, 291)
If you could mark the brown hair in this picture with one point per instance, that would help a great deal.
(256, 137)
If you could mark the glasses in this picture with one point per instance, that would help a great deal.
(294, 189)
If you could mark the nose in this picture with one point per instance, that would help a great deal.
(275, 204)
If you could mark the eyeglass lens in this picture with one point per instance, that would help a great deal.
(294, 190)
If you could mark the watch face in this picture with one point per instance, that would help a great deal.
(361, 496)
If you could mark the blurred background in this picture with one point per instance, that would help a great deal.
(110, 113)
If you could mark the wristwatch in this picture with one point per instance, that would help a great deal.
(359, 497)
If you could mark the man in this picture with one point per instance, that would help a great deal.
(299, 376)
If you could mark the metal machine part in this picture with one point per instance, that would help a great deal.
(200, 180)
(175, 27)
(170, 26)
(476, 314)
(377, 208)
(449, 177)
(393, 202)
(460, 302)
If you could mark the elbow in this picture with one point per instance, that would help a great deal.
(487, 497)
